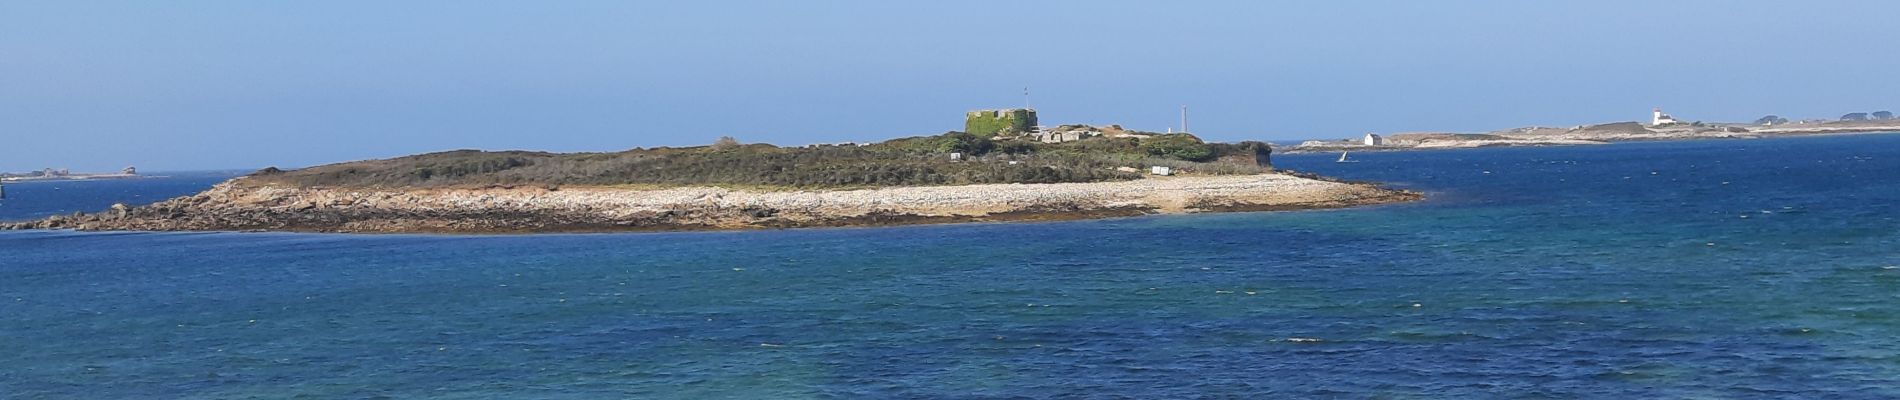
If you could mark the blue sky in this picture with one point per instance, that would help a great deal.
(240, 84)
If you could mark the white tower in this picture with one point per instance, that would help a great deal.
(1658, 118)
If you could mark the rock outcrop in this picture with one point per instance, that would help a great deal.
(236, 205)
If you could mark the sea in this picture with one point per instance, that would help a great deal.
(1762, 268)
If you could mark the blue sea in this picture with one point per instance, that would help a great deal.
(1707, 269)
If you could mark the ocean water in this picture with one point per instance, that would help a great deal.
(1710, 269)
(40, 199)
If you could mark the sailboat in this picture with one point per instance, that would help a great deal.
(1342, 157)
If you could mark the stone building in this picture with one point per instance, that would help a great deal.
(1067, 133)
(1059, 137)
(1372, 139)
(1656, 117)
(1011, 121)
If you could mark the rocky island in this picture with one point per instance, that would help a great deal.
(1001, 172)
(51, 174)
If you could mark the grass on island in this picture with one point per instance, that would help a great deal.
(913, 161)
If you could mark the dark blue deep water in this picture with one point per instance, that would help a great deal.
(1712, 269)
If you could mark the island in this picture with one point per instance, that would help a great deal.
(61, 174)
(1661, 126)
(1001, 167)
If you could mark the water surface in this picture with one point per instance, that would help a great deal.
(1712, 269)
(29, 200)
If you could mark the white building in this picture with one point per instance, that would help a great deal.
(1658, 118)
(1373, 139)
(1061, 136)
(1160, 170)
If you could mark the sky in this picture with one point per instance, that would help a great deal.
(96, 86)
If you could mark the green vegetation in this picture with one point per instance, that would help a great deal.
(989, 123)
(1178, 146)
(1416, 137)
(923, 160)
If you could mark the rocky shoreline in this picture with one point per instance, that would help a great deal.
(239, 206)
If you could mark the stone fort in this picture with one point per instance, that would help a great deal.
(1005, 121)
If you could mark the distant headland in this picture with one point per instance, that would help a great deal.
(1661, 126)
(1003, 166)
(51, 174)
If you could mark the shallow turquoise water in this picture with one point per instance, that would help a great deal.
(1716, 269)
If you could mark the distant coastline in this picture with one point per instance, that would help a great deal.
(57, 175)
(82, 177)
(1590, 135)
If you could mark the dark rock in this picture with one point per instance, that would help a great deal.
(1626, 128)
(759, 212)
